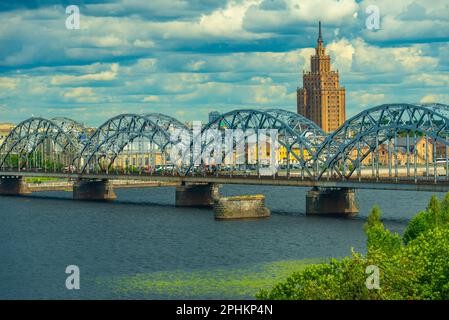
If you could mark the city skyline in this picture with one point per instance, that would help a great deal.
(188, 60)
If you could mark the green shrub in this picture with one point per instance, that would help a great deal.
(379, 238)
(418, 269)
(436, 214)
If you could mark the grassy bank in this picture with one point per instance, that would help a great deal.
(41, 179)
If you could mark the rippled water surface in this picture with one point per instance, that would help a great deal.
(141, 246)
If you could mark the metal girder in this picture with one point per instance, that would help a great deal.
(31, 133)
(165, 121)
(295, 132)
(110, 139)
(363, 133)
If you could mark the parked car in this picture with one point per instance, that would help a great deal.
(70, 168)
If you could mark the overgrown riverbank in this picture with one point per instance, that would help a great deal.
(412, 266)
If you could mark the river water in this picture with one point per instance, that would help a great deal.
(143, 233)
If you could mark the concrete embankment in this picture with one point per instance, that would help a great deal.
(117, 184)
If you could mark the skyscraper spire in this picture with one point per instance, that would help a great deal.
(320, 38)
(320, 51)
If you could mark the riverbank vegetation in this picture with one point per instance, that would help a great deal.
(412, 266)
(241, 282)
(40, 180)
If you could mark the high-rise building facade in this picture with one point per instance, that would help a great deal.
(321, 99)
(213, 115)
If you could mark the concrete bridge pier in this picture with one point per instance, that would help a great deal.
(243, 207)
(332, 202)
(13, 186)
(197, 195)
(95, 190)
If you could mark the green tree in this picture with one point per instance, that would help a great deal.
(379, 238)
(373, 218)
(417, 270)
(336, 280)
(426, 258)
(416, 226)
(445, 208)
(436, 214)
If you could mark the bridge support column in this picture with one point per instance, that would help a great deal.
(330, 201)
(96, 190)
(13, 186)
(245, 207)
(197, 195)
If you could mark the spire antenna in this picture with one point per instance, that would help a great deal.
(319, 31)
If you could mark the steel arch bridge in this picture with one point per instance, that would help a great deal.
(118, 136)
(344, 151)
(296, 134)
(38, 142)
(387, 142)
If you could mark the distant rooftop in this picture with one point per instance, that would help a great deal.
(6, 126)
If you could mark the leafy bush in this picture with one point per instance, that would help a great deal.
(417, 269)
(436, 214)
(379, 238)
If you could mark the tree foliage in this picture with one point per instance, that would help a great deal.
(379, 238)
(436, 214)
(415, 266)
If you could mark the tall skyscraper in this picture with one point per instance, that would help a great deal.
(321, 99)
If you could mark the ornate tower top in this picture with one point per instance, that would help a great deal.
(320, 43)
(320, 62)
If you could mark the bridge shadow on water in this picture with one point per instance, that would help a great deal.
(102, 203)
(62, 196)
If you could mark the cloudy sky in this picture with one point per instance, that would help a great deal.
(188, 57)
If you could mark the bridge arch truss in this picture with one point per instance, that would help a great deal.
(128, 142)
(382, 143)
(40, 144)
(298, 137)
